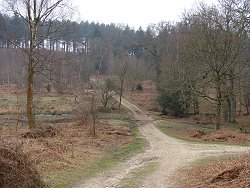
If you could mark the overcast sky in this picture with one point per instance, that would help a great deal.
(135, 13)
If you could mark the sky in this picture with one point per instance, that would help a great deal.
(134, 13)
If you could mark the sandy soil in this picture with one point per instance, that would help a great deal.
(170, 154)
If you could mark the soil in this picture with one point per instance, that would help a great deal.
(170, 154)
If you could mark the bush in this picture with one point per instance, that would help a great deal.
(175, 103)
(49, 88)
(41, 132)
(16, 168)
(139, 87)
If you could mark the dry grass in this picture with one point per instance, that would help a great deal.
(227, 136)
(13, 101)
(69, 142)
(147, 98)
(62, 143)
(53, 148)
(234, 173)
(17, 170)
(57, 143)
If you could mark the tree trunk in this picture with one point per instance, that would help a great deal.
(163, 111)
(218, 107)
(93, 132)
(232, 99)
(233, 109)
(121, 93)
(240, 98)
(31, 61)
(227, 110)
(218, 115)
(246, 105)
(196, 106)
(30, 115)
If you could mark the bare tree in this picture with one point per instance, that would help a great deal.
(122, 67)
(37, 14)
(213, 47)
(108, 92)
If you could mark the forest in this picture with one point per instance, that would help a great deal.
(75, 83)
(207, 52)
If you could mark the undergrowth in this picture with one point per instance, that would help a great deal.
(202, 133)
(113, 156)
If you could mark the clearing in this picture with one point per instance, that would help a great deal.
(169, 153)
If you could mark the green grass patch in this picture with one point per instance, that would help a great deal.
(213, 159)
(43, 105)
(180, 130)
(134, 179)
(68, 176)
(54, 105)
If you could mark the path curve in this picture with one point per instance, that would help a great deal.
(170, 153)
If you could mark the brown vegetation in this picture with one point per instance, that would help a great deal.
(230, 173)
(146, 98)
(55, 144)
(41, 132)
(54, 147)
(17, 170)
(50, 143)
(231, 137)
(228, 136)
(196, 133)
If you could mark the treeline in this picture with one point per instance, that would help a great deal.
(204, 56)
(66, 35)
(72, 51)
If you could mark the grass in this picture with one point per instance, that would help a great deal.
(179, 130)
(213, 159)
(45, 105)
(134, 179)
(222, 168)
(68, 176)
(54, 105)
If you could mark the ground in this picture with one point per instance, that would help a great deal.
(168, 153)
(65, 145)
(146, 98)
(62, 142)
(195, 127)
(229, 172)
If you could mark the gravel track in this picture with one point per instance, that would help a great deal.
(170, 154)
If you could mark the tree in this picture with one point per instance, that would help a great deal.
(3, 28)
(37, 14)
(235, 22)
(93, 110)
(122, 66)
(213, 48)
(174, 102)
(108, 92)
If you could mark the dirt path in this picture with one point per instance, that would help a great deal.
(168, 152)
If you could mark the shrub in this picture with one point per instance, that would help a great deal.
(139, 87)
(16, 168)
(49, 88)
(175, 103)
